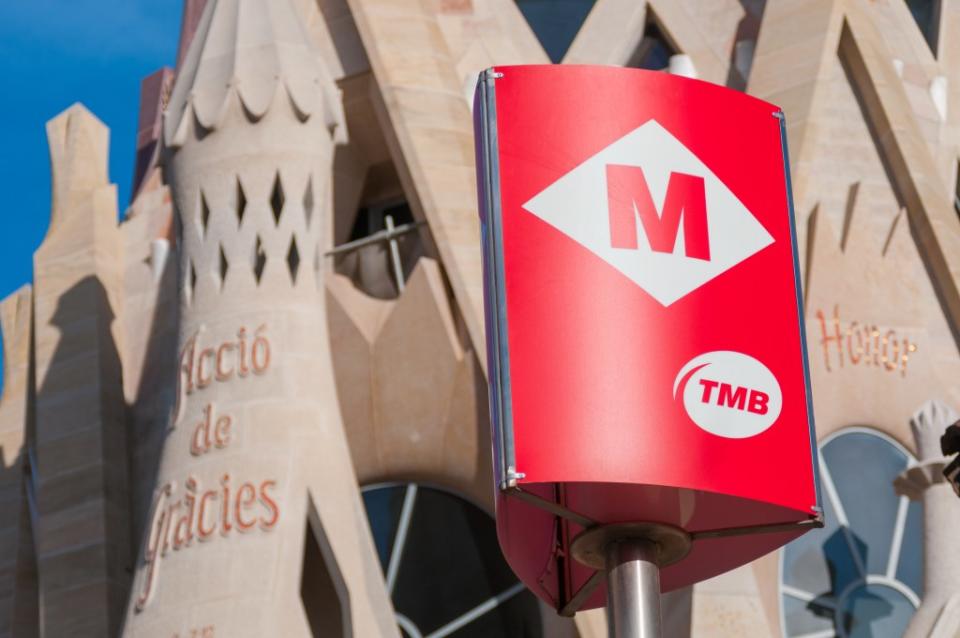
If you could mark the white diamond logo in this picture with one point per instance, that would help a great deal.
(651, 209)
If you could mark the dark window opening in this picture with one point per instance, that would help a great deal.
(443, 566)
(555, 22)
(373, 267)
(654, 51)
(862, 573)
(373, 219)
(321, 586)
(926, 13)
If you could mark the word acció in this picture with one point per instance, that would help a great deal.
(198, 515)
(198, 367)
(863, 344)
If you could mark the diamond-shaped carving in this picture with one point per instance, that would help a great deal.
(241, 204)
(308, 200)
(293, 259)
(259, 260)
(204, 214)
(192, 287)
(277, 199)
(224, 266)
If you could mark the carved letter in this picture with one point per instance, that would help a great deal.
(246, 496)
(272, 508)
(201, 435)
(151, 554)
(225, 525)
(221, 434)
(242, 347)
(260, 352)
(184, 375)
(204, 381)
(203, 532)
(223, 375)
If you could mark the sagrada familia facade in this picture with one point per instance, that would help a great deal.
(253, 403)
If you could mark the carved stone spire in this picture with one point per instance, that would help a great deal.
(78, 159)
(251, 51)
(249, 134)
(79, 390)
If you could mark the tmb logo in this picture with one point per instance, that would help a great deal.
(651, 209)
(729, 394)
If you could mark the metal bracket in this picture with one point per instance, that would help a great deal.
(589, 547)
(816, 522)
(576, 601)
(554, 508)
(380, 235)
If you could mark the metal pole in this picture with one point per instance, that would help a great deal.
(394, 253)
(633, 589)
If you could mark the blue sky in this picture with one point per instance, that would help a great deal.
(54, 53)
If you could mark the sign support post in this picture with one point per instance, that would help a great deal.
(633, 589)
(631, 555)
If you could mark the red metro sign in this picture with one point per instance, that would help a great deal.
(646, 352)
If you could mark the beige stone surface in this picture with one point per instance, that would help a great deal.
(794, 61)
(730, 605)
(149, 328)
(404, 43)
(926, 199)
(875, 283)
(412, 397)
(79, 393)
(18, 582)
(15, 326)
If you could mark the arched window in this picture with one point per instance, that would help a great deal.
(443, 566)
(861, 575)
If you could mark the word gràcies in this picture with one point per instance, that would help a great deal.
(200, 516)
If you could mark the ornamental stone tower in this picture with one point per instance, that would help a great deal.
(255, 432)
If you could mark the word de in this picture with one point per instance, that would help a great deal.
(210, 432)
